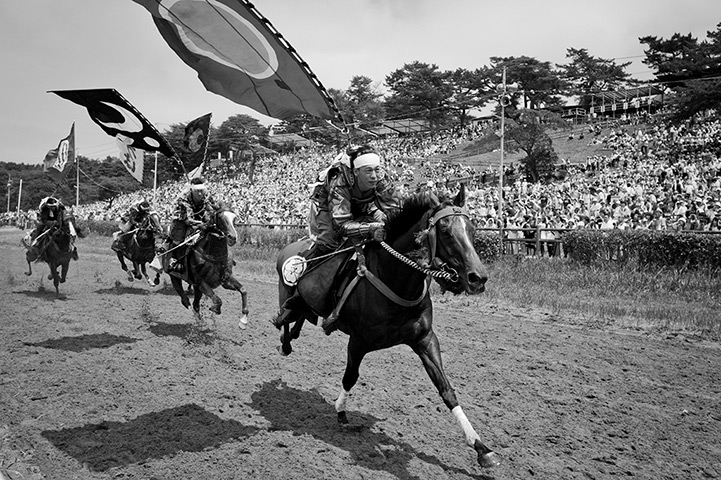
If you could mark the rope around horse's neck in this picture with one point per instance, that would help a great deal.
(412, 264)
(428, 271)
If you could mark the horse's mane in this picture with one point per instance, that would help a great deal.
(413, 209)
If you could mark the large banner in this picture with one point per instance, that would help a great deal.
(58, 158)
(239, 55)
(115, 115)
(195, 141)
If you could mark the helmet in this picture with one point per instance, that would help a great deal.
(51, 201)
(144, 206)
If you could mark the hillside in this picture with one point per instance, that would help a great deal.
(484, 153)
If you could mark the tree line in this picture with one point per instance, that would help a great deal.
(687, 67)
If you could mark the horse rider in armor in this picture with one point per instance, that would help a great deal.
(132, 219)
(351, 203)
(51, 212)
(193, 208)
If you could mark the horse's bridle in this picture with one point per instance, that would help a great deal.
(439, 268)
(432, 235)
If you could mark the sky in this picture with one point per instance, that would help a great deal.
(80, 44)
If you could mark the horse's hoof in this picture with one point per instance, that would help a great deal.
(185, 302)
(282, 351)
(215, 310)
(489, 460)
(50, 276)
(243, 323)
(343, 418)
(130, 277)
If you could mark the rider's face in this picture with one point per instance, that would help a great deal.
(367, 177)
(199, 194)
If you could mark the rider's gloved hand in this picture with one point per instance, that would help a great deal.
(377, 231)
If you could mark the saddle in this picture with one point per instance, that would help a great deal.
(323, 284)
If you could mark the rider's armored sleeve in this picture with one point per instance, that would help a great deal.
(354, 229)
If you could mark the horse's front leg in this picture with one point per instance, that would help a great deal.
(231, 283)
(30, 269)
(121, 258)
(53, 275)
(178, 286)
(202, 288)
(64, 270)
(356, 352)
(429, 351)
(137, 271)
(144, 271)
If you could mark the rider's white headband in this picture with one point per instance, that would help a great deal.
(198, 186)
(367, 160)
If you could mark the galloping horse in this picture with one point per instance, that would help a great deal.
(390, 304)
(138, 246)
(208, 265)
(54, 247)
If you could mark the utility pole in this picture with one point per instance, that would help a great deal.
(504, 99)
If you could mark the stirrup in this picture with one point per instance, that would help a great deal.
(330, 323)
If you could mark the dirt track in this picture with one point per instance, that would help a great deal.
(117, 381)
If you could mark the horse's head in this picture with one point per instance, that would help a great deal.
(224, 219)
(450, 242)
(154, 222)
(60, 236)
(445, 234)
(150, 225)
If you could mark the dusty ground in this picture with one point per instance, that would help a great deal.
(115, 380)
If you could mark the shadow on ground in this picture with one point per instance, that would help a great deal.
(187, 428)
(84, 342)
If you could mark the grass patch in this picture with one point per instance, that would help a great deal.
(663, 300)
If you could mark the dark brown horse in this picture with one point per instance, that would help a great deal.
(138, 246)
(209, 265)
(54, 247)
(390, 304)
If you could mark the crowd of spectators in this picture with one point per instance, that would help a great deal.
(654, 176)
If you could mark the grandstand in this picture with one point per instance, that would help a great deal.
(625, 173)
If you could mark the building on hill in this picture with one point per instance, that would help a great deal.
(294, 140)
(405, 126)
(615, 104)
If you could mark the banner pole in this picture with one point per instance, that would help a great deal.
(205, 151)
(8, 193)
(155, 179)
(77, 183)
(20, 194)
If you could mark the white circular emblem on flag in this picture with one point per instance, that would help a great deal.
(292, 269)
(195, 140)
